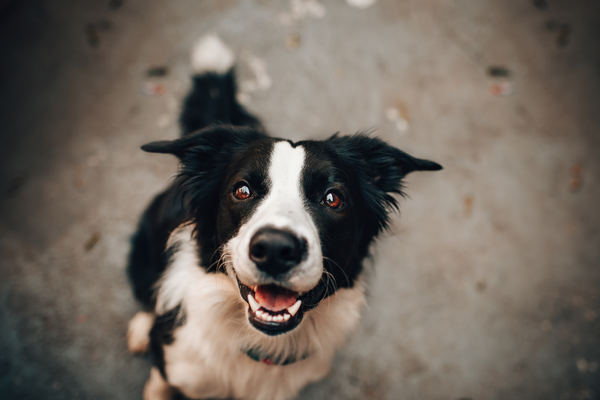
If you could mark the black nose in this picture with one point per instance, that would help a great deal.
(275, 251)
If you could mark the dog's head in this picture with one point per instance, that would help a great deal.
(289, 222)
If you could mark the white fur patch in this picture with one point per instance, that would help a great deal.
(210, 54)
(175, 283)
(207, 359)
(138, 332)
(282, 208)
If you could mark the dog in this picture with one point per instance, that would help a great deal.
(250, 265)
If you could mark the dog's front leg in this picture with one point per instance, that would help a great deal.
(157, 388)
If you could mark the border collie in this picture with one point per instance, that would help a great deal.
(250, 263)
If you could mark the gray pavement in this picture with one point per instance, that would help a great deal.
(488, 285)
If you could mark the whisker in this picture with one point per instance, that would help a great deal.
(337, 265)
(331, 278)
(217, 250)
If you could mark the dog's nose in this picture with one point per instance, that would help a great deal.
(276, 251)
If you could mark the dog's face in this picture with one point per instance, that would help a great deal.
(291, 222)
(280, 218)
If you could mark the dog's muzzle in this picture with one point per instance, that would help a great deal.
(273, 308)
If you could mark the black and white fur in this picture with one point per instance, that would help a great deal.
(251, 225)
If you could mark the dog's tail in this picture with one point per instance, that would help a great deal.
(212, 98)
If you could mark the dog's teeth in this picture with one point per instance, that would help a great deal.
(253, 303)
(294, 309)
(266, 316)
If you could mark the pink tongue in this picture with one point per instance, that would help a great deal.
(274, 298)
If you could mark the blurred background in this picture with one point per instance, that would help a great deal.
(488, 284)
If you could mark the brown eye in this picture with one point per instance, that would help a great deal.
(242, 192)
(333, 200)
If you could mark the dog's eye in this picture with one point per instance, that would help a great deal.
(333, 199)
(242, 191)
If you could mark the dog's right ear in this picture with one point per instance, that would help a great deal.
(208, 141)
(176, 147)
(205, 157)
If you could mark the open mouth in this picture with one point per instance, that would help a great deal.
(274, 309)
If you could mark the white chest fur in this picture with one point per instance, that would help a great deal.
(207, 357)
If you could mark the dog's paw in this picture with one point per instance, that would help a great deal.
(157, 388)
(138, 332)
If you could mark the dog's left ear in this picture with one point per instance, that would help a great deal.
(385, 165)
(380, 169)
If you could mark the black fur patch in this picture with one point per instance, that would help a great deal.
(211, 160)
(162, 334)
(212, 101)
(148, 260)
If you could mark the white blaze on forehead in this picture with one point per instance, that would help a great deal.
(282, 208)
(285, 171)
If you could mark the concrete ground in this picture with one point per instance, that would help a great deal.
(487, 287)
